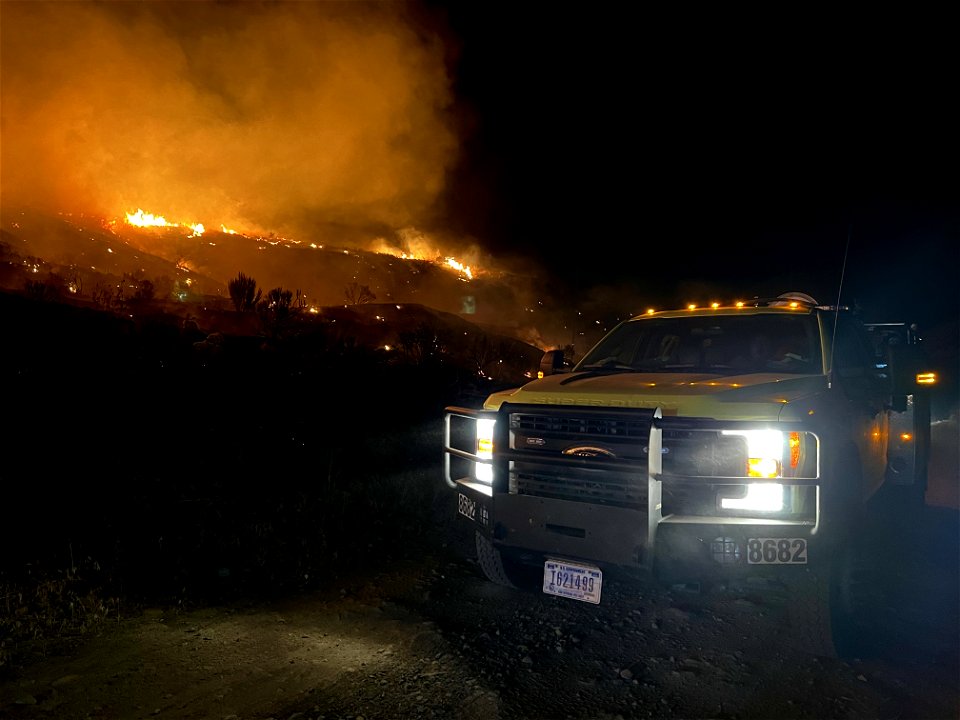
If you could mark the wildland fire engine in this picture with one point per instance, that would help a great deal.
(697, 445)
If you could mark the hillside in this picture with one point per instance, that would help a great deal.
(85, 254)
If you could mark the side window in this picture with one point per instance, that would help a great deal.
(853, 359)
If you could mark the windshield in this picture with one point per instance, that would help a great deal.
(723, 344)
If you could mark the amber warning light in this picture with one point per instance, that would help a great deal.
(926, 378)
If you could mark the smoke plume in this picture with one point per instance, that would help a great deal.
(291, 117)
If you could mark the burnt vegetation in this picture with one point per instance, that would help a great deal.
(164, 452)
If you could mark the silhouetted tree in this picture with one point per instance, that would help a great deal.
(423, 344)
(75, 282)
(357, 294)
(136, 290)
(43, 290)
(103, 295)
(244, 293)
(300, 302)
(481, 353)
(276, 310)
(145, 292)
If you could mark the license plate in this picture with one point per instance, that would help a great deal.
(572, 580)
(776, 551)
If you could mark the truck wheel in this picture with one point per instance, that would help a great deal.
(491, 562)
(810, 612)
(834, 608)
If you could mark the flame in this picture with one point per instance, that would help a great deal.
(456, 265)
(145, 219)
(419, 248)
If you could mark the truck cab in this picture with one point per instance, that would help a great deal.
(692, 445)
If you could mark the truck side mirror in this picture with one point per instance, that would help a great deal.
(551, 363)
(905, 362)
(910, 373)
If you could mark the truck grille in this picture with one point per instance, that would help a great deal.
(565, 437)
(571, 436)
(580, 428)
(598, 487)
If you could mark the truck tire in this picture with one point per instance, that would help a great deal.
(810, 612)
(834, 604)
(491, 562)
(834, 609)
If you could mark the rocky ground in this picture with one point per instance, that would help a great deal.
(429, 637)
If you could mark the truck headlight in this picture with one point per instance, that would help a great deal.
(760, 497)
(765, 451)
(484, 471)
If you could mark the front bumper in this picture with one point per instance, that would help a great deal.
(677, 549)
(634, 535)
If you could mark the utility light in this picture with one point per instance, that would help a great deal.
(765, 451)
(484, 471)
(762, 497)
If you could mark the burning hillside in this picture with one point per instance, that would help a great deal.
(410, 244)
(187, 262)
(193, 261)
(308, 145)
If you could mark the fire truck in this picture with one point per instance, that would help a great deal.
(698, 445)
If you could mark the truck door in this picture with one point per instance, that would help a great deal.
(856, 373)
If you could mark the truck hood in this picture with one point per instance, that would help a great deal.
(760, 396)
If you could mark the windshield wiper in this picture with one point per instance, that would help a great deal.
(609, 367)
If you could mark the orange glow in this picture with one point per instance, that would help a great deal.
(715, 305)
(739, 303)
(926, 378)
(691, 306)
(794, 443)
(650, 311)
(145, 219)
(906, 437)
(763, 467)
(419, 247)
(456, 265)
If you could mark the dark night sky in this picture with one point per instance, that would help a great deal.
(734, 151)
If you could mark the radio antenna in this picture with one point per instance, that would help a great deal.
(836, 308)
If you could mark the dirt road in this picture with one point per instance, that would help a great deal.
(432, 639)
(427, 637)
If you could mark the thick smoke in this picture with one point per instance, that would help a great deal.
(293, 117)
